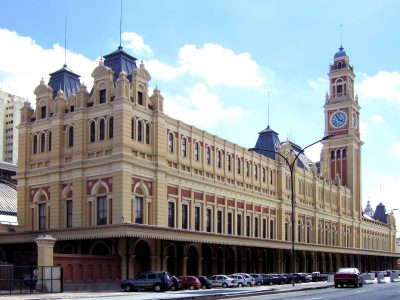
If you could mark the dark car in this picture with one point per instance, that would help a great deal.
(190, 282)
(156, 281)
(257, 278)
(176, 283)
(269, 279)
(302, 277)
(348, 276)
(205, 283)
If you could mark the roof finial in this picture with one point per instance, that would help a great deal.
(65, 42)
(120, 28)
(341, 37)
(268, 109)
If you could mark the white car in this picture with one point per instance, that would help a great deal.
(240, 281)
(222, 281)
(248, 279)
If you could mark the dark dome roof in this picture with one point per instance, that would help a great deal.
(341, 52)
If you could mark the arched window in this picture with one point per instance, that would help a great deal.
(264, 174)
(35, 143)
(338, 154)
(271, 179)
(229, 162)
(184, 147)
(92, 131)
(140, 131)
(238, 165)
(255, 171)
(333, 155)
(139, 210)
(111, 128)
(196, 151)
(208, 155)
(102, 130)
(340, 88)
(170, 142)
(148, 134)
(247, 169)
(71, 136)
(102, 96)
(344, 154)
(42, 142)
(219, 159)
(49, 141)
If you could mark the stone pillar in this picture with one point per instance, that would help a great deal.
(45, 245)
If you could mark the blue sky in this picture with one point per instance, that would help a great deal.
(215, 61)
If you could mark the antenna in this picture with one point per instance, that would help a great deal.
(120, 28)
(341, 35)
(268, 109)
(65, 42)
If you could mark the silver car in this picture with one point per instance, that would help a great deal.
(240, 281)
(222, 281)
(248, 279)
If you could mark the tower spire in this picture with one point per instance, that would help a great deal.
(268, 109)
(120, 28)
(341, 36)
(65, 42)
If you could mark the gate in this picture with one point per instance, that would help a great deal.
(30, 279)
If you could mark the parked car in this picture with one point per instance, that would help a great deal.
(240, 281)
(222, 281)
(205, 282)
(280, 278)
(268, 279)
(190, 282)
(348, 276)
(317, 276)
(302, 277)
(257, 278)
(249, 280)
(157, 281)
(176, 283)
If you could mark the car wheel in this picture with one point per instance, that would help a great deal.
(128, 288)
(203, 287)
(259, 283)
(157, 288)
(270, 283)
(224, 285)
(360, 284)
(249, 284)
(336, 285)
(191, 287)
(240, 284)
(356, 284)
(173, 288)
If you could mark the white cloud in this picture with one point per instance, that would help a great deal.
(161, 71)
(314, 152)
(377, 119)
(396, 149)
(23, 63)
(384, 86)
(202, 108)
(217, 65)
(136, 43)
(319, 83)
(363, 127)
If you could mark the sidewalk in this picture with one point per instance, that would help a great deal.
(215, 293)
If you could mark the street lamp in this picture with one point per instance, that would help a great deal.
(291, 168)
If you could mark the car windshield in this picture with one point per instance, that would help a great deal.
(347, 270)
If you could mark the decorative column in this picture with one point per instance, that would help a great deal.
(45, 245)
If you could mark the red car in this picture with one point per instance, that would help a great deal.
(348, 276)
(190, 282)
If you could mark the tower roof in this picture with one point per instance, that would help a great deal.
(120, 61)
(368, 210)
(380, 213)
(341, 52)
(66, 80)
(267, 139)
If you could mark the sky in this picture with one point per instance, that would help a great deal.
(218, 63)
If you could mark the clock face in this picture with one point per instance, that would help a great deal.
(338, 119)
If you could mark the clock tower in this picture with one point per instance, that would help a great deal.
(342, 153)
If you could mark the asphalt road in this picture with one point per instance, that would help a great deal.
(367, 292)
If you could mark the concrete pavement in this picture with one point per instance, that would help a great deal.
(215, 293)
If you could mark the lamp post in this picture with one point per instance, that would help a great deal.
(291, 168)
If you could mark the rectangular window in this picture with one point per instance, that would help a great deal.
(229, 223)
(42, 216)
(256, 227)
(271, 229)
(239, 225)
(102, 98)
(286, 231)
(219, 221)
(247, 225)
(197, 218)
(264, 228)
(171, 214)
(139, 210)
(43, 112)
(140, 98)
(101, 210)
(69, 213)
(184, 216)
(208, 219)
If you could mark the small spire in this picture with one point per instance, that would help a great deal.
(341, 38)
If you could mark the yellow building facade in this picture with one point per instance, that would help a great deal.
(124, 188)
